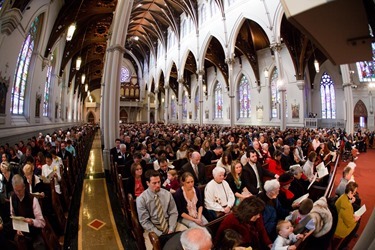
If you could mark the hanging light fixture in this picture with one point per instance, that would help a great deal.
(78, 63)
(71, 30)
(88, 92)
(316, 65)
(83, 78)
(86, 87)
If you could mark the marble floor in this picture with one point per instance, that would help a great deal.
(97, 227)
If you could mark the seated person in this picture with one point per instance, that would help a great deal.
(247, 221)
(231, 239)
(218, 197)
(163, 170)
(189, 202)
(300, 218)
(274, 164)
(33, 183)
(27, 206)
(236, 183)
(137, 181)
(157, 209)
(171, 183)
(285, 236)
(193, 238)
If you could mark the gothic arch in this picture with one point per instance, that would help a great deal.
(360, 109)
(90, 117)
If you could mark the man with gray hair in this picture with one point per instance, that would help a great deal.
(25, 205)
(191, 239)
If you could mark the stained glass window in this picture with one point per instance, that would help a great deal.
(366, 69)
(173, 108)
(244, 97)
(125, 75)
(218, 100)
(196, 104)
(47, 86)
(22, 69)
(275, 96)
(184, 105)
(327, 95)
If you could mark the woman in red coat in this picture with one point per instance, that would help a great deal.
(247, 221)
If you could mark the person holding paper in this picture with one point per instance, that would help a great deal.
(347, 176)
(24, 205)
(51, 170)
(308, 167)
(347, 221)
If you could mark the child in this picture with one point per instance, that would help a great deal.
(300, 218)
(286, 236)
(172, 183)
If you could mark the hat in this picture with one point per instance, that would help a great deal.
(285, 179)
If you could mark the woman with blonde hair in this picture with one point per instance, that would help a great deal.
(236, 184)
(205, 147)
(34, 183)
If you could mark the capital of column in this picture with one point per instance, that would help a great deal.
(300, 84)
(166, 86)
(230, 60)
(276, 46)
(116, 47)
(181, 80)
(346, 84)
(200, 72)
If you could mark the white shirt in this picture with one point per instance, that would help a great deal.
(218, 195)
(47, 172)
(254, 167)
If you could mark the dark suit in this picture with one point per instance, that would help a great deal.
(250, 179)
(201, 178)
(66, 155)
(209, 157)
(122, 159)
(286, 161)
(114, 153)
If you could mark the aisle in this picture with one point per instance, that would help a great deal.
(97, 228)
(364, 175)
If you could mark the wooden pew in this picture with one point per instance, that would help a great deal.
(137, 230)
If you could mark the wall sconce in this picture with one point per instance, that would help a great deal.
(266, 73)
(88, 92)
(172, 97)
(162, 99)
(86, 87)
(205, 92)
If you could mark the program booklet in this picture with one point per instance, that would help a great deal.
(300, 199)
(360, 211)
(19, 224)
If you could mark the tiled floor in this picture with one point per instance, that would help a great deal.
(97, 227)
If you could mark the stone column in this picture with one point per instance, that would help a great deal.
(276, 47)
(166, 102)
(302, 104)
(180, 95)
(200, 74)
(348, 100)
(370, 117)
(148, 107)
(230, 61)
(156, 106)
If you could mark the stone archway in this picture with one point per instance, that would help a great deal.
(360, 115)
(123, 116)
(90, 117)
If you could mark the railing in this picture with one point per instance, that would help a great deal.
(331, 182)
(324, 123)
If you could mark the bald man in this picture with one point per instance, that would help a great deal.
(196, 168)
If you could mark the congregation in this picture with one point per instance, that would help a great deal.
(246, 180)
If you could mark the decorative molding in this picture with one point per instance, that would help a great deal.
(10, 20)
(300, 84)
(116, 47)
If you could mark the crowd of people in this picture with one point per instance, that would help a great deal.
(27, 168)
(258, 174)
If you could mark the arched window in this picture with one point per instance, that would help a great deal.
(173, 107)
(218, 95)
(22, 69)
(184, 105)
(366, 69)
(125, 75)
(196, 104)
(244, 97)
(47, 87)
(327, 95)
(275, 96)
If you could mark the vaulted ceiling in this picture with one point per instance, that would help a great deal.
(149, 24)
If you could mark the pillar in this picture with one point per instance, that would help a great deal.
(148, 107)
(166, 102)
(230, 62)
(276, 47)
(200, 74)
(348, 99)
(156, 101)
(180, 95)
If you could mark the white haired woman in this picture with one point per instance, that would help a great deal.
(218, 196)
(273, 210)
